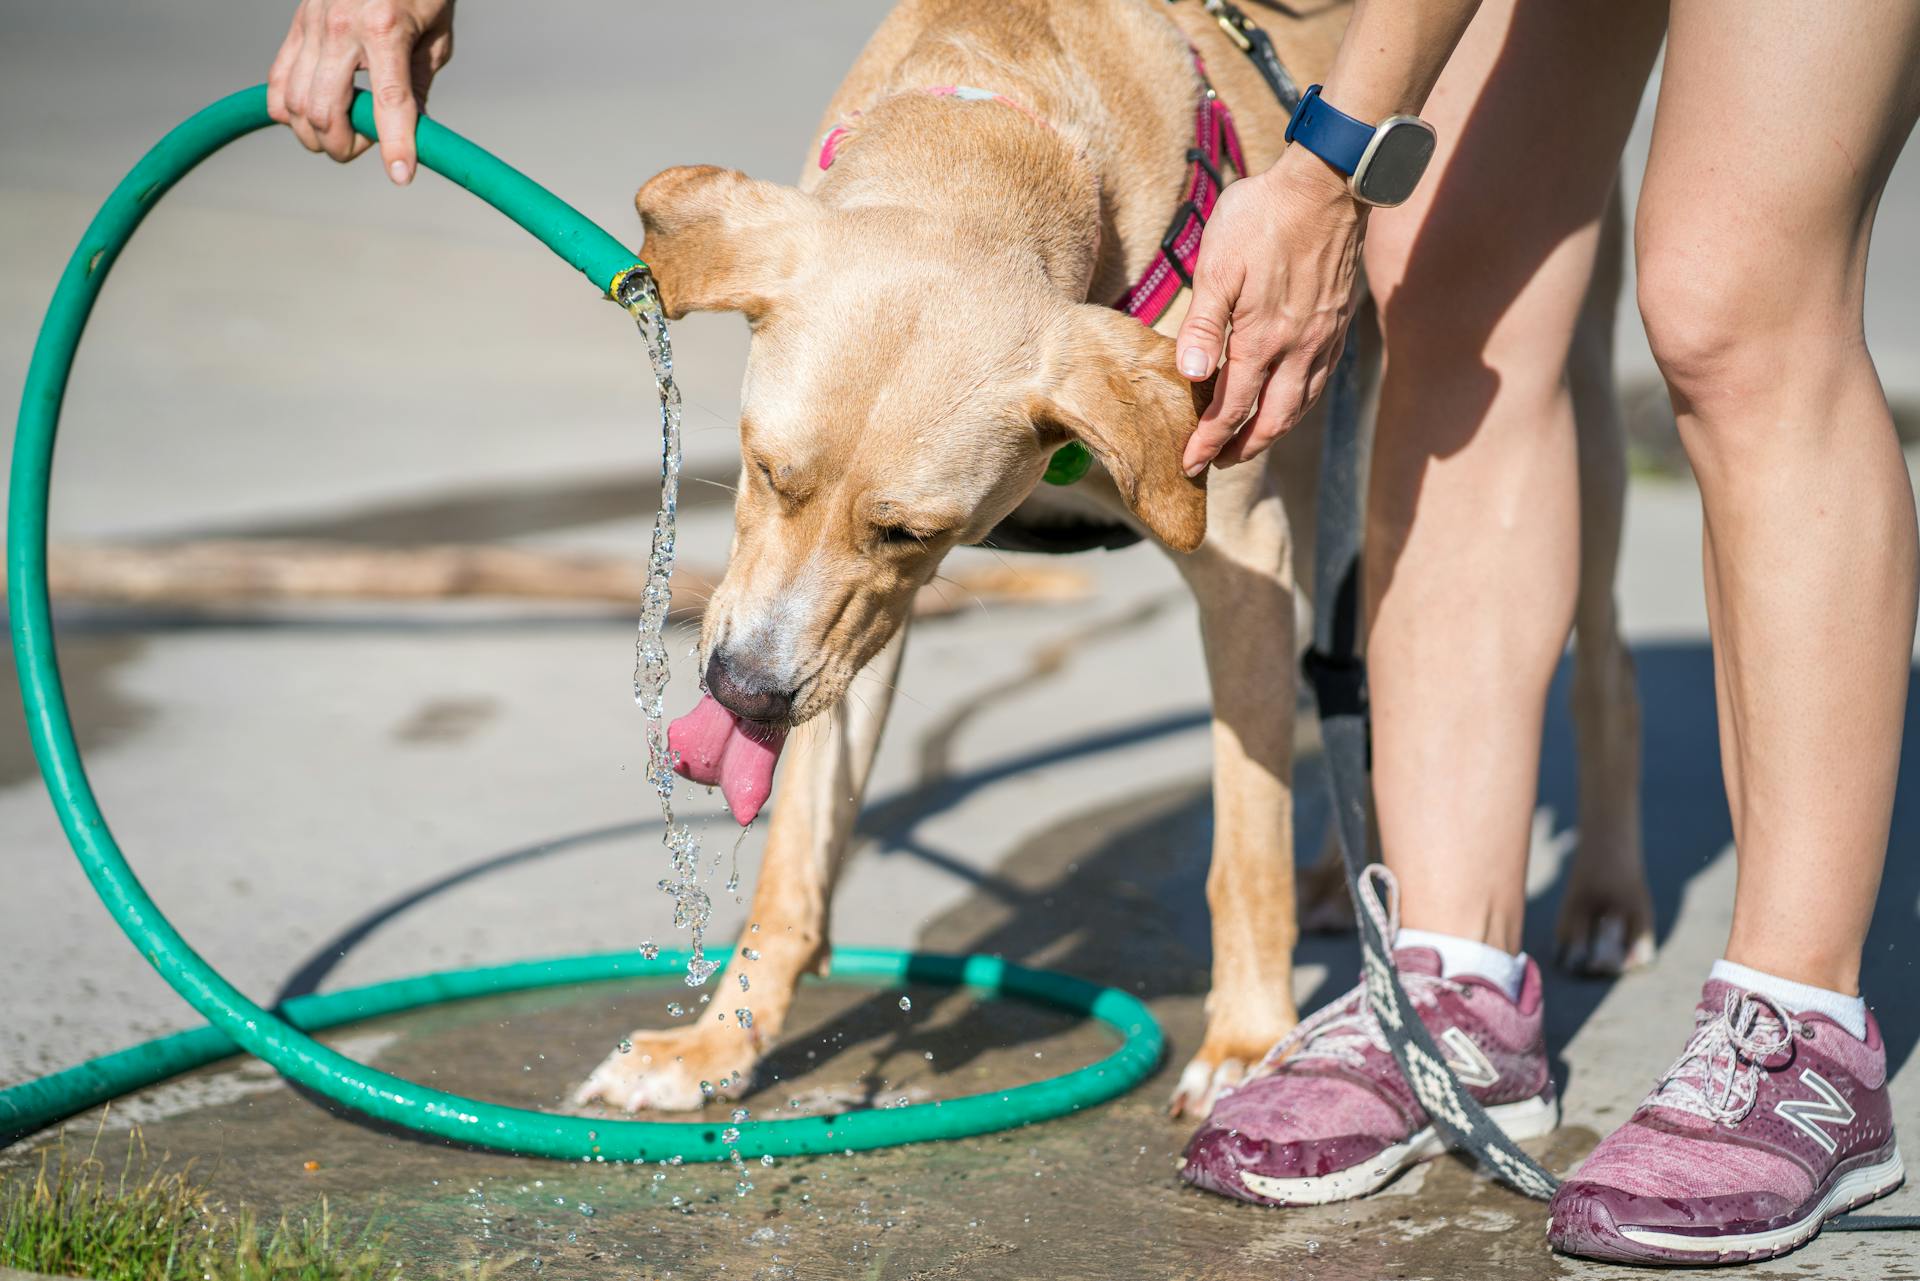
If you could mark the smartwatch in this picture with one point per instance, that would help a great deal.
(1382, 163)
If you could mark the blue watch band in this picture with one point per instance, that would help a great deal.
(1329, 132)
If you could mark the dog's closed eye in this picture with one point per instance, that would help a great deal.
(899, 536)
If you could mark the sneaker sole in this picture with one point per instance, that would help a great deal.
(1592, 1233)
(1527, 1119)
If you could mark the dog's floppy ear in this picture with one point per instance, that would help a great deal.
(1110, 383)
(718, 240)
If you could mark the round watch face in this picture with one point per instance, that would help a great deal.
(1394, 161)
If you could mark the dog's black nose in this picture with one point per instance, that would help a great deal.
(744, 689)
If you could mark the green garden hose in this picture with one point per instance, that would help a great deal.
(278, 1037)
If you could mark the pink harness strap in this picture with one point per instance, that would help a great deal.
(1214, 140)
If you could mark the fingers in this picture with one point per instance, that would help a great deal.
(331, 101)
(282, 69)
(401, 43)
(1199, 350)
(300, 79)
(1281, 404)
(390, 70)
(1203, 334)
(1234, 397)
(1293, 389)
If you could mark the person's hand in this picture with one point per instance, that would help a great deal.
(1276, 267)
(401, 43)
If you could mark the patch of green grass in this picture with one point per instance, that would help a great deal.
(74, 1217)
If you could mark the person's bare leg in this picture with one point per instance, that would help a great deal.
(1778, 124)
(1473, 550)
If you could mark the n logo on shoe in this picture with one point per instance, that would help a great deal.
(1810, 1114)
(1469, 1062)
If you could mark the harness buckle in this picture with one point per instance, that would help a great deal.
(1199, 157)
(1188, 211)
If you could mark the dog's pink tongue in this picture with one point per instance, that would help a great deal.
(715, 746)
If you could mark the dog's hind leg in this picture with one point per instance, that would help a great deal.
(1606, 915)
(828, 762)
(1243, 582)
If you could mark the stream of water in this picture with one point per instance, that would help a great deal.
(692, 908)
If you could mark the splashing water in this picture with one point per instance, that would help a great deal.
(692, 908)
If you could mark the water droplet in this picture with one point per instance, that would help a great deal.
(586, 1209)
(739, 1115)
(649, 949)
(730, 1135)
(767, 1160)
(749, 953)
(744, 1015)
(626, 1046)
(674, 1009)
(906, 1002)
(744, 985)
(706, 1088)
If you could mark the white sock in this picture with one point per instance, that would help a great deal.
(1850, 1012)
(1460, 957)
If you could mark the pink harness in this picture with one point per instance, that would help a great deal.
(1214, 140)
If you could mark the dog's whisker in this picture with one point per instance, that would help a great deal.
(891, 685)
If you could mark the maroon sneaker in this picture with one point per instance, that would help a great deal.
(1767, 1125)
(1332, 1118)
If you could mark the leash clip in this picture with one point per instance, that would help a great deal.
(1339, 682)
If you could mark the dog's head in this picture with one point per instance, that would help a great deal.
(905, 388)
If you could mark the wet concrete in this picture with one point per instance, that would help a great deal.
(1092, 1196)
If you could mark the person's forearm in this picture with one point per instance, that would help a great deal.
(1278, 260)
(1393, 53)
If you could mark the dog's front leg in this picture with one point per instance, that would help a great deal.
(1242, 579)
(828, 762)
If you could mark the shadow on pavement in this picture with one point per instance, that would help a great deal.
(1118, 894)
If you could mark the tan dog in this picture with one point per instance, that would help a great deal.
(923, 341)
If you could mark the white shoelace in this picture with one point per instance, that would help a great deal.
(1343, 1030)
(1717, 1077)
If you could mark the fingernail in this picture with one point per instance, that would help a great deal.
(401, 173)
(1193, 363)
(1194, 469)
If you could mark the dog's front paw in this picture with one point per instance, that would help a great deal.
(1606, 929)
(1219, 1066)
(674, 1071)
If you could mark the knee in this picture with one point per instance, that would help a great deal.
(1696, 327)
(1730, 327)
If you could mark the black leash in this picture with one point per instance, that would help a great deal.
(1338, 675)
